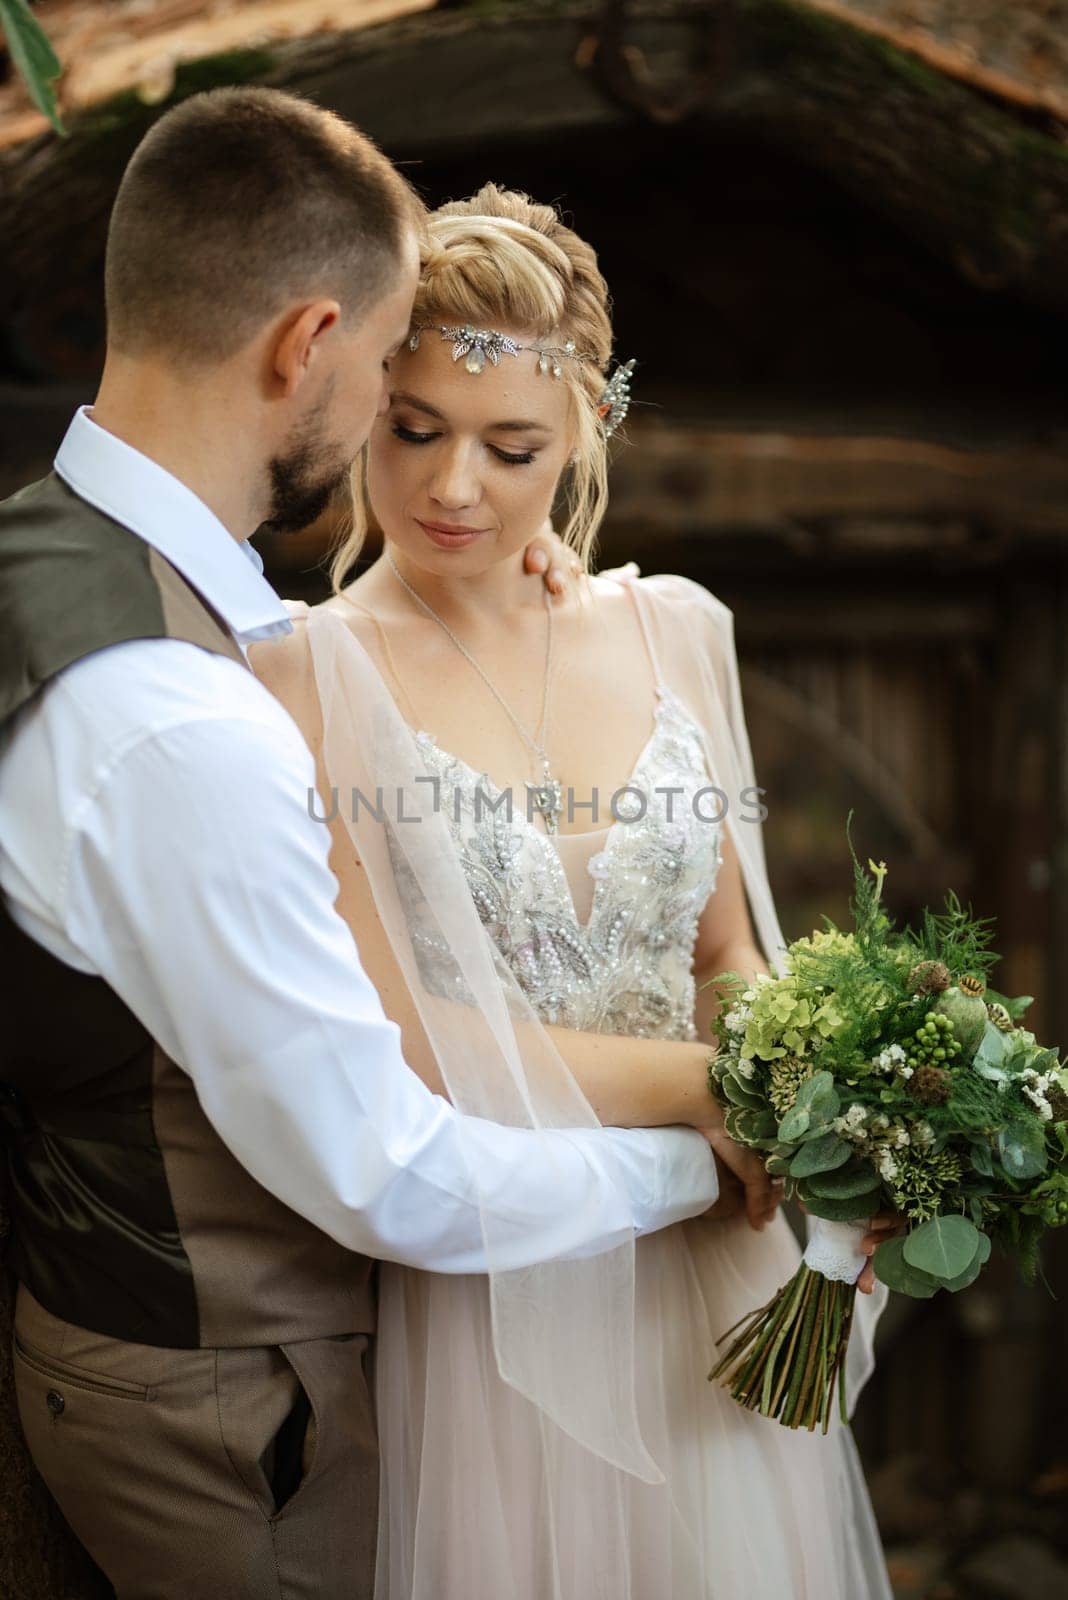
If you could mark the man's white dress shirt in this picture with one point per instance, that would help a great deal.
(154, 830)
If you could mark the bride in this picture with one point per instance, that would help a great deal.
(546, 837)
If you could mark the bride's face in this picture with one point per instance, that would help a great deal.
(462, 468)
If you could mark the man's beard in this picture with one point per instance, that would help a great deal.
(305, 478)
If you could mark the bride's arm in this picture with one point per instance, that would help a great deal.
(630, 1083)
(725, 939)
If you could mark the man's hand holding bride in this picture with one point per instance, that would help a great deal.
(744, 1183)
(549, 555)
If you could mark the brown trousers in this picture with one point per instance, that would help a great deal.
(235, 1474)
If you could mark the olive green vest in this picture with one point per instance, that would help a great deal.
(129, 1216)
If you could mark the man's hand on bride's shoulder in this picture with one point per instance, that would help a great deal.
(748, 1185)
(557, 562)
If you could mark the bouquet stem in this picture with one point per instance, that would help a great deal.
(787, 1359)
(790, 1356)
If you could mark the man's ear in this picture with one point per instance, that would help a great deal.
(298, 341)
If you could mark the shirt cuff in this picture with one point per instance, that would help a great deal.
(670, 1174)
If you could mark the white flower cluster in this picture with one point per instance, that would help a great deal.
(746, 1066)
(889, 1059)
(737, 1019)
(1035, 1086)
(886, 1137)
(888, 1167)
(853, 1124)
(876, 1136)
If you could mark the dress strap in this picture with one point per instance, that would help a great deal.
(630, 582)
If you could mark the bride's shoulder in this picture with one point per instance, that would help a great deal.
(674, 597)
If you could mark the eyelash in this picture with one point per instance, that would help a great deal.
(410, 437)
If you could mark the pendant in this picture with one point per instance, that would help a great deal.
(545, 798)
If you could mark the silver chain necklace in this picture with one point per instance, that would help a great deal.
(545, 797)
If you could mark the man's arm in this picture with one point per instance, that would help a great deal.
(197, 884)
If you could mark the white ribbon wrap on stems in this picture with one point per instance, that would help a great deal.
(834, 1249)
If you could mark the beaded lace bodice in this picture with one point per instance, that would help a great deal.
(629, 968)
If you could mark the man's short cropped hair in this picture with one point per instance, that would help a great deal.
(238, 203)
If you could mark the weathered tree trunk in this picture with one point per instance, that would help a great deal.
(980, 182)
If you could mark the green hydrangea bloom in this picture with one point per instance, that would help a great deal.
(780, 1020)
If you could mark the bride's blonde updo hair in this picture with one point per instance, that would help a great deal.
(498, 260)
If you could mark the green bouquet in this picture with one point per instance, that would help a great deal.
(878, 1071)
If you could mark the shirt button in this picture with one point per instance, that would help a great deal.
(55, 1402)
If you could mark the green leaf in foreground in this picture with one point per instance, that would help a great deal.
(854, 1208)
(738, 1094)
(819, 1095)
(33, 55)
(892, 1269)
(944, 1247)
(982, 1158)
(1022, 1149)
(812, 1112)
(969, 1275)
(794, 1124)
(820, 1155)
(993, 1052)
(848, 1181)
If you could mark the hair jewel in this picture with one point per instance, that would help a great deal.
(615, 402)
(476, 346)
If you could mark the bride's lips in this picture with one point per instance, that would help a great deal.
(454, 537)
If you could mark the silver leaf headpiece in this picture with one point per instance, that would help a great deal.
(480, 345)
(475, 346)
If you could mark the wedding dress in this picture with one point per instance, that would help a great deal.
(484, 1496)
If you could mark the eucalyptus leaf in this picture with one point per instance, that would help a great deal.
(1022, 1149)
(819, 1096)
(825, 1103)
(823, 1154)
(944, 1247)
(856, 1178)
(795, 1124)
(969, 1275)
(892, 1269)
(33, 55)
(994, 1049)
(982, 1158)
(838, 1208)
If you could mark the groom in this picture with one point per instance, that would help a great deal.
(212, 1129)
